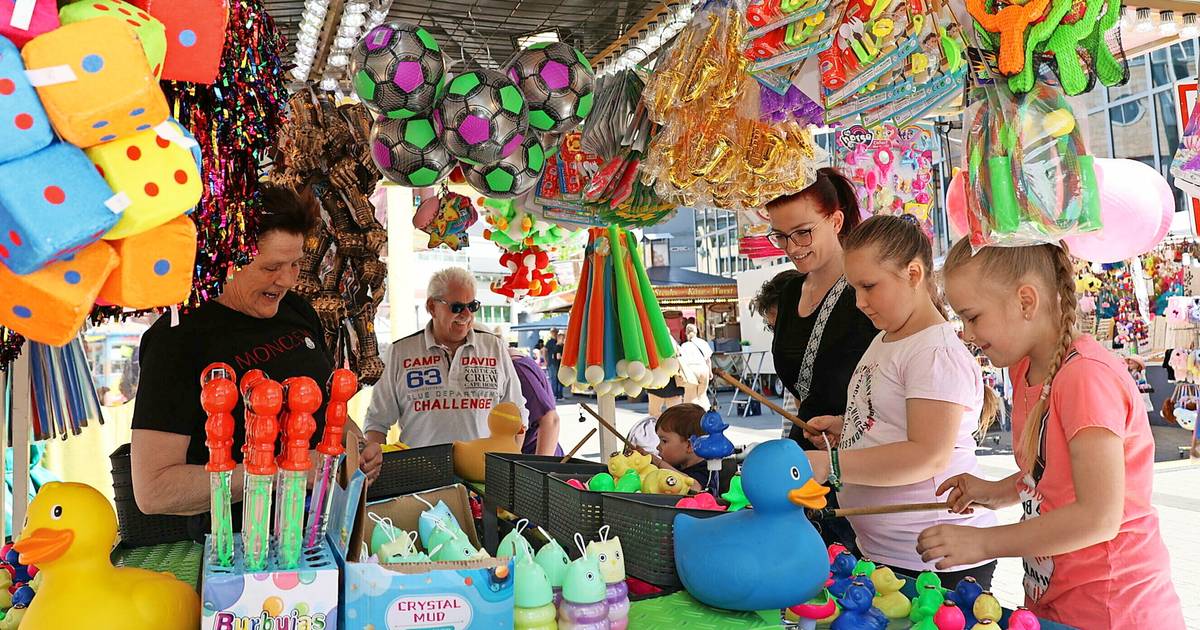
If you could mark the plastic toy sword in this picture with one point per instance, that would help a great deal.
(341, 387)
(303, 397)
(263, 399)
(218, 396)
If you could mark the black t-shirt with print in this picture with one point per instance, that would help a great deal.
(848, 334)
(172, 358)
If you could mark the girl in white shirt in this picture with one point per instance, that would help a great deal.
(914, 402)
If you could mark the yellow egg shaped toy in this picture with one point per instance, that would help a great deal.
(69, 532)
(504, 424)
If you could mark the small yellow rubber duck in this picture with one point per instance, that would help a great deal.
(69, 533)
(662, 481)
(888, 599)
(504, 424)
(620, 462)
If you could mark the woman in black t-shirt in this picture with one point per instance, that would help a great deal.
(256, 323)
(809, 226)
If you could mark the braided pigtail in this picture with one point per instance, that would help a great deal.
(1064, 275)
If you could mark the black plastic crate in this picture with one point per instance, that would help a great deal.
(530, 481)
(573, 510)
(137, 528)
(646, 525)
(413, 470)
(499, 476)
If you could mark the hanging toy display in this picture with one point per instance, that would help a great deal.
(409, 151)
(445, 217)
(1070, 36)
(399, 71)
(616, 335)
(892, 168)
(556, 80)
(1031, 179)
(786, 33)
(713, 149)
(529, 274)
(485, 117)
(341, 273)
(510, 176)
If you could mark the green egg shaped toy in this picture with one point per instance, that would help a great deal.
(533, 598)
(602, 482)
(629, 482)
(514, 545)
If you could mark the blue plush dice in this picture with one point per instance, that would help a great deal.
(52, 204)
(24, 127)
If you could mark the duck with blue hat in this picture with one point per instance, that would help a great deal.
(760, 559)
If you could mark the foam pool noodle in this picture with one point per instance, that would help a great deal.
(645, 332)
(631, 338)
(574, 329)
(611, 321)
(594, 366)
(662, 335)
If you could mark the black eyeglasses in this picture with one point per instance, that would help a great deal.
(800, 238)
(458, 307)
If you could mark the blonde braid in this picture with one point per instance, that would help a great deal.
(1064, 274)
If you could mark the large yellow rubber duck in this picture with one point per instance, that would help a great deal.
(504, 424)
(68, 534)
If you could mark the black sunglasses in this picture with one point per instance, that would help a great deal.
(458, 307)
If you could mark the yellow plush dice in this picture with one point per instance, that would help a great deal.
(156, 267)
(94, 81)
(156, 173)
(51, 304)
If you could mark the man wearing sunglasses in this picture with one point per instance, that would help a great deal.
(440, 383)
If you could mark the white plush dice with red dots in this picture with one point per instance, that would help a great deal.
(22, 20)
(195, 36)
(95, 82)
(51, 305)
(156, 267)
(151, 32)
(52, 203)
(154, 173)
(24, 127)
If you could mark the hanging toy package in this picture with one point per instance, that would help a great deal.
(786, 33)
(1031, 178)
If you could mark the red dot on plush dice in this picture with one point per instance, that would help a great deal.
(181, 177)
(14, 237)
(100, 7)
(54, 195)
(7, 87)
(162, 142)
(133, 153)
(100, 170)
(3, 252)
(124, 11)
(152, 189)
(23, 121)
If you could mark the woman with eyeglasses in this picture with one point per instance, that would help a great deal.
(820, 334)
(440, 383)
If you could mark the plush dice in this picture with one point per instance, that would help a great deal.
(156, 267)
(195, 36)
(150, 31)
(24, 127)
(20, 24)
(52, 203)
(50, 305)
(94, 81)
(153, 173)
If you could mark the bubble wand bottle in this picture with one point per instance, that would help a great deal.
(218, 397)
(341, 387)
(264, 400)
(303, 399)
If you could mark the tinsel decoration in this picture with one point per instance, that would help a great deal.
(236, 120)
(324, 151)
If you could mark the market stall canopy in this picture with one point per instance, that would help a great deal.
(478, 33)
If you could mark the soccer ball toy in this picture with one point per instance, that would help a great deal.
(410, 152)
(556, 79)
(512, 175)
(485, 117)
(399, 70)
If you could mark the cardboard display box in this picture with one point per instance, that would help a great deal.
(304, 598)
(471, 595)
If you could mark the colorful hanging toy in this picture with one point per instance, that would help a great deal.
(447, 224)
(616, 335)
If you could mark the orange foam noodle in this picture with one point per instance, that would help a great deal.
(155, 268)
(575, 319)
(51, 304)
(595, 332)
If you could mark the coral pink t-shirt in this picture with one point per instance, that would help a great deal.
(1125, 582)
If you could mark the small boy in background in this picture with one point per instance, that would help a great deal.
(676, 427)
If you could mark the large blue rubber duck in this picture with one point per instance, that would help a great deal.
(766, 558)
(858, 612)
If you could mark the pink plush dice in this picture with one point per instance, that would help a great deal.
(195, 36)
(22, 20)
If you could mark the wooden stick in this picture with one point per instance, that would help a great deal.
(606, 425)
(578, 446)
(879, 509)
(762, 399)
